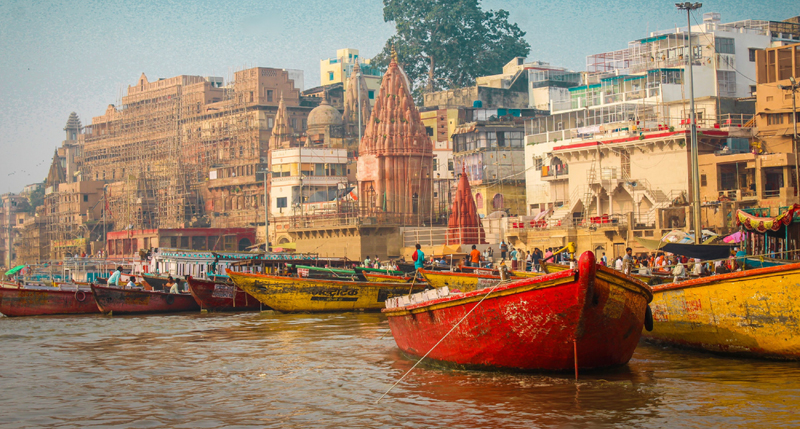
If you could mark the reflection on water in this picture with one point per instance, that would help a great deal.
(280, 370)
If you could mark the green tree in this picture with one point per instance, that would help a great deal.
(36, 198)
(445, 44)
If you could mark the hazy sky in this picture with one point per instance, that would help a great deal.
(63, 56)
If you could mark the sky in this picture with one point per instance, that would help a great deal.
(63, 56)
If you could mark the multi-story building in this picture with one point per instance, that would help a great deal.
(491, 152)
(13, 213)
(765, 174)
(338, 70)
(598, 160)
(307, 175)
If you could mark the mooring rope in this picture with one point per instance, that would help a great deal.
(445, 336)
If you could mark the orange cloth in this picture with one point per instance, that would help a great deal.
(475, 256)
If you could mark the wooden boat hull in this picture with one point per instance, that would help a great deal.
(753, 313)
(156, 283)
(130, 301)
(221, 296)
(531, 324)
(385, 278)
(291, 294)
(15, 302)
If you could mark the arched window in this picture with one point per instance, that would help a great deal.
(479, 200)
(497, 201)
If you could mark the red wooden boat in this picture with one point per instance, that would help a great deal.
(130, 301)
(536, 323)
(221, 296)
(16, 301)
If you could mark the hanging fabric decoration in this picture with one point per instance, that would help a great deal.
(764, 224)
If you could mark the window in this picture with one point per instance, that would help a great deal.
(330, 75)
(479, 200)
(752, 52)
(371, 95)
(294, 123)
(538, 162)
(724, 45)
(281, 202)
(727, 83)
(775, 119)
(450, 166)
(435, 164)
(270, 123)
(703, 181)
(429, 130)
(752, 90)
(770, 98)
(251, 100)
(86, 198)
(269, 95)
(497, 201)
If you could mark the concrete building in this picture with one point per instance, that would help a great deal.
(598, 160)
(762, 175)
(124, 245)
(307, 175)
(338, 70)
(13, 213)
(491, 152)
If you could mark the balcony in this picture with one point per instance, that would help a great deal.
(555, 172)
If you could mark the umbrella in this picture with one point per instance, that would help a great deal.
(736, 237)
(14, 270)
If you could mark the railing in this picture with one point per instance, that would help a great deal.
(758, 211)
(555, 170)
(772, 194)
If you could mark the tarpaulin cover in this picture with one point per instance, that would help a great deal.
(700, 251)
(764, 224)
(14, 270)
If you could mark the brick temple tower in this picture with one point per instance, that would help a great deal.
(395, 156)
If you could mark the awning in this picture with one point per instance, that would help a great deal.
(699, 251)
(15, 270)
(764, 224)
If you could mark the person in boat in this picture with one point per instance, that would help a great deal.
(618, 264)
(474, 257)
(367, 262)
(644, 269)
(604, 259)
(175, 288)
(131, 284)
(740, 257)
(114, 279)
(418, 257)
(503, 249)
(170, 282)
(679, 272)
(529, 261)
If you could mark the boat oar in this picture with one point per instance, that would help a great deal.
(414, 280)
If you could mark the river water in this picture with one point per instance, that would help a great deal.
(283, 370)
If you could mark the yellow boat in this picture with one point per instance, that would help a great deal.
(292, 294)
(753, 312)
(386, 278)
(550, 268)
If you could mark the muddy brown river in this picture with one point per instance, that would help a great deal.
(300, 371)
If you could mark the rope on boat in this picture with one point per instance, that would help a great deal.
(445, 336)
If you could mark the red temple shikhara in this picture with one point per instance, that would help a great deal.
(464, 225)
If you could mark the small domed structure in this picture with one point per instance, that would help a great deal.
(325, 126)
(324, 115)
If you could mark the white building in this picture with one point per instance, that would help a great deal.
(618, 144)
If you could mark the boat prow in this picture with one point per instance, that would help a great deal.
(16, 301)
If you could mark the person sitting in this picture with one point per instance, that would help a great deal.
(170, 284)
(175, 288)
(131, 283)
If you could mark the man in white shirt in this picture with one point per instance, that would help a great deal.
(130, 284)
(175, 287)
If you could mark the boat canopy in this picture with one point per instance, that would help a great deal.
(764, 224)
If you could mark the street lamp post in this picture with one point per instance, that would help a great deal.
(266, 212)
(689, 7)
(793, 87)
